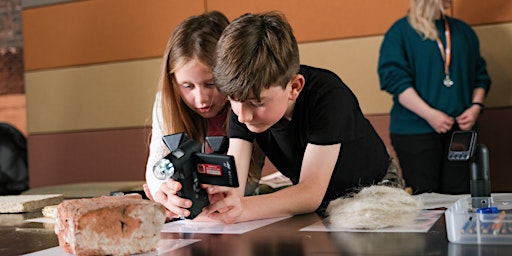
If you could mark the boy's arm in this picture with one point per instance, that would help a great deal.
(241, 150)
(304, 197)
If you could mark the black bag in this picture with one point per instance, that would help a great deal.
(13, 161)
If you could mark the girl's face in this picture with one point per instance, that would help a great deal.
(197, 89)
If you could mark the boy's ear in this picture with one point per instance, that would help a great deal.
(296, 84)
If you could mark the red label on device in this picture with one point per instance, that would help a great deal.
(210, 169)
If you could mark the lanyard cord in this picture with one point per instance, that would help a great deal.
(446, 53)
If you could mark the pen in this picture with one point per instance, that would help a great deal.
(496, 227)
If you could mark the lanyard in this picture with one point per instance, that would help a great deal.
(446, 53)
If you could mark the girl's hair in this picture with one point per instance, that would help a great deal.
(194, 38)
(422, 15)
(256, 51)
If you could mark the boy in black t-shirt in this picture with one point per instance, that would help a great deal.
(306, 120)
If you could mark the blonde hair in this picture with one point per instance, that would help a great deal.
(422, 15)
(194, 38)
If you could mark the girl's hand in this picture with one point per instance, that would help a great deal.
(225, 204)
(147, 192)
(167, 196)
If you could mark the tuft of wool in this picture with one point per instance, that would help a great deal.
(374, 207)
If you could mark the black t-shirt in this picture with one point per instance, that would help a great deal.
(325, 113)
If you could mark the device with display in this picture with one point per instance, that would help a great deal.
(464, 147)
(191, 167)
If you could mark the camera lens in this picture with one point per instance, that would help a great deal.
(163, 169)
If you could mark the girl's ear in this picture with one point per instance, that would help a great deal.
(296, 84)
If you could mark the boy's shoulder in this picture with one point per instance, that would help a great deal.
(313, 74)
(306, 70)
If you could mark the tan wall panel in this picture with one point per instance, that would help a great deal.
(97, 31)
(483, 12)
(80, 98)
(355, 61)
(495, 42)
(324, 19)
(91, 97)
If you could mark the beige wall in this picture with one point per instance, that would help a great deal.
(92, 67)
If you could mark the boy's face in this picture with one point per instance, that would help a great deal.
(259, 116)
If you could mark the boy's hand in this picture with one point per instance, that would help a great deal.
(225, 204)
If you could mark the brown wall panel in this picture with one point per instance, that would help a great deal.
(477, 12)
(86, 32)
(496, 137)
(324, 19)
(91, 137)
(121, 155)
(111, 155)
(494, 132)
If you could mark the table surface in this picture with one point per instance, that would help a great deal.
(281, 238)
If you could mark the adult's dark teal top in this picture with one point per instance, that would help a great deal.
(408, 60)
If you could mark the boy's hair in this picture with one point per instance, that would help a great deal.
(194, 38)
(255, 51)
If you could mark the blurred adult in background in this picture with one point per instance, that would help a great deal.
(432, 66)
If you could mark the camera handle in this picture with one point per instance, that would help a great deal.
(480, 184)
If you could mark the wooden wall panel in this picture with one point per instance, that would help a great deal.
(324, 19)
(495, 42)
(121, 155)
(355, 61)
(494, 132)
(86, 32)
(121, 94)
(109, 155)
(476, 12)
(114, 95)
(13, 108)
(92, 68)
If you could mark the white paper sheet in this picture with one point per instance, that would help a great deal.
(42, 220)
(163, 246)
(189, 226)
(422, 224)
